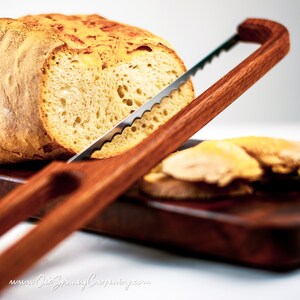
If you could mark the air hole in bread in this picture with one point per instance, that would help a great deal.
(144, 48)
(63, 102)
(77, 121)
(121, 90)
(128, 102)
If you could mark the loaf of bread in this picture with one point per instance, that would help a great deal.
(66, 80)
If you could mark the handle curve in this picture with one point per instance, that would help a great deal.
(262, 31)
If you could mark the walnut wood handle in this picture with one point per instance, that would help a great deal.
(93, 185)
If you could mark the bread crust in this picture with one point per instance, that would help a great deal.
(24, 52)
(28, 44)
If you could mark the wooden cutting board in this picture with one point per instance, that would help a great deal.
(261, 230)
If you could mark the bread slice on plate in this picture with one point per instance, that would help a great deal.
(66, 80)
(212, 162)
(162, 186)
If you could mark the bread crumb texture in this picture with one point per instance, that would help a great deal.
(69, 79)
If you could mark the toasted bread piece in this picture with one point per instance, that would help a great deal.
(280, 155)
(213, 162)
(162, 186)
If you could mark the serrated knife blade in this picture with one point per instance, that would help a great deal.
(147, 106)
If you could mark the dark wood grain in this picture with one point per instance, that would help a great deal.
(91, 186)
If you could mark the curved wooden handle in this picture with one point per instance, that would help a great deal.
(263, 31)
(103, 181)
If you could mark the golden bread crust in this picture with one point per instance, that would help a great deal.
(21, 130)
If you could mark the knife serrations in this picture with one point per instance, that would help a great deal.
(118, 129)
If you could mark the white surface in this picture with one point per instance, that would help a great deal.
(87, 266)
(213, 130)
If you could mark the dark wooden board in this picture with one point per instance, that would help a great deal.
(261, 230)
